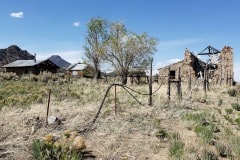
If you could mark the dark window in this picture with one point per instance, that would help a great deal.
(172, 74)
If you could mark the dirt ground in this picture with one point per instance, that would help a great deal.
(129, 135)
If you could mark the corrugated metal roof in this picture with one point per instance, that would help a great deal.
(21, 63)
(77, 67)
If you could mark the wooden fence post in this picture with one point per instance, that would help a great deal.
(169, 86)
(150, 85)
(48, 105)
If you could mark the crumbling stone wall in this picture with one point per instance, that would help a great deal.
(189, 68)
(225, 66)
(193, 67)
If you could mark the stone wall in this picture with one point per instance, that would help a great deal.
(193, 67)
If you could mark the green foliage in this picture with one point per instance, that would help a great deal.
(205, 132)
(176, 149)
(8, 76)
(21, 93)
(237, 120)
(68, 146)
(228, 118)
(48, 151)
(204, 126)
(236, 106)
(235, 146)
(161, 133)
(220, 102)
(229, 111)
(208, 155)
(223, 150)
(232, 92)
(197, 117)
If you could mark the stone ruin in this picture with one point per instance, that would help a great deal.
(218, 69)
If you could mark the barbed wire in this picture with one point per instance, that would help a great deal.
(88, 127)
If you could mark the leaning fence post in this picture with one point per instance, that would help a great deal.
(115, 99)
(168, 89)
(49, 97)
(150, 85)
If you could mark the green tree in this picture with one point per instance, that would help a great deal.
(127, 49)
(95, 47)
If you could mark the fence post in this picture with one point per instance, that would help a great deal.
(115, 99)
(150, 85)
(169, 86)
(179, 85)
(48, 105)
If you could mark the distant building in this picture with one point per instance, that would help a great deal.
(219, 67)
(80, 70)
(31, 66)
(53, 64)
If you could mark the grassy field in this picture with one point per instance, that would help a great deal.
(201, 126)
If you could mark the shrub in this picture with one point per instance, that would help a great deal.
(229, 111)
(176, 149)
(161, 134)
(220, 101)
(234, 144)
(228, 118)
(236, 106)
(208, 155)
(205, 132)
(232, 92)
(223, 150)
(237, 120)
(70, 146)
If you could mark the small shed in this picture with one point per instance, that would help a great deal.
(78, 69)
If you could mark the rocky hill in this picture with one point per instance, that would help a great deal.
(13, 53)
(59, 61)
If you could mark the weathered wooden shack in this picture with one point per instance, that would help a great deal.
(31, 66)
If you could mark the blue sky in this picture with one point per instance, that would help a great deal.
(48, 27)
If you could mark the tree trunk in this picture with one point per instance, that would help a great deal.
(97, 74)
(124, 78)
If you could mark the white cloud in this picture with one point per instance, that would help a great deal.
(171, 61)
(72, 56)
(17, 15)
(76, 24)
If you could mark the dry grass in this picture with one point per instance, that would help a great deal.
(131, 134)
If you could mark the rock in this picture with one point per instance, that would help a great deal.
(52, 119)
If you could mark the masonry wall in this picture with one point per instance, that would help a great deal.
(193, 67)
(225, 66)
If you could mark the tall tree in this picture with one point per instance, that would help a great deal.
(126, 50)
(95, 47)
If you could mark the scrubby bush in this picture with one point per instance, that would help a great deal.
(176, 148)
(6, 76)
(236, 106)
(232, 92)
(69, 146)
(223, 150)
(208, 155)
(237, 120)
(229, 111)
